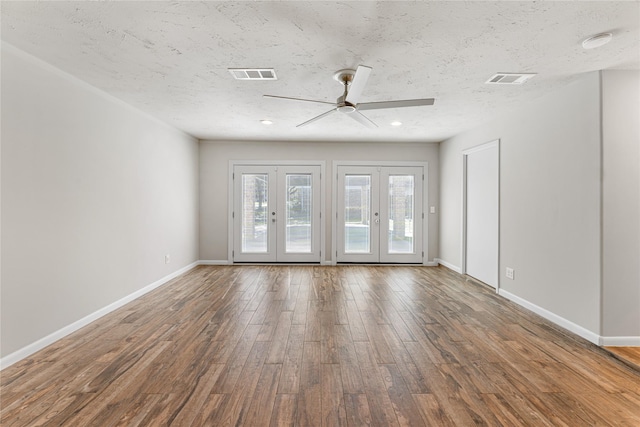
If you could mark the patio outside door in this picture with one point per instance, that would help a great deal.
(379, 214)
(276, 213)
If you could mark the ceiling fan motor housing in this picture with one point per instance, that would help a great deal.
(344, 106)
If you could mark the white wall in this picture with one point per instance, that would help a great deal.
(550, 201)
(94, 194)
(621, 204)
(214, 167)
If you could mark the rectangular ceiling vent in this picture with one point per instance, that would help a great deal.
(509, 78)
(253, 73)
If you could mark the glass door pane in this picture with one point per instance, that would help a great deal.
(299, 208)
(298, 213)
(358, 218)
(255, 213)
(401, 215)
(357, 214)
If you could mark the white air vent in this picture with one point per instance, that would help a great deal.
(253, 73)
(509, 78)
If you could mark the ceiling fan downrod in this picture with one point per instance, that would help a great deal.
(342, 105)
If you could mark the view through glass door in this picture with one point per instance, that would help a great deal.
(379, 214)
(276, 213)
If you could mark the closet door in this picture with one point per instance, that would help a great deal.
(482, 174)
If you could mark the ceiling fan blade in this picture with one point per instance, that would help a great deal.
(358, 83)
(333, 110)
(395, 104)
(359, 117)
(298, 99)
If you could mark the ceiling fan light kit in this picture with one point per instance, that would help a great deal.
(354, 82)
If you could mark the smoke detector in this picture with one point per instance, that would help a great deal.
(509, 78)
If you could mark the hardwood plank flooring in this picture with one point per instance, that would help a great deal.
(630, 355)
(320, 346)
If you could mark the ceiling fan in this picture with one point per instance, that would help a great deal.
(354, 82)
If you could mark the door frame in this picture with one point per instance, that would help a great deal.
(386, 163)
(463, 249)
(230, 198)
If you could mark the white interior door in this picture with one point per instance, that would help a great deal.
(379, 214)
(481, 201)
(276, 213)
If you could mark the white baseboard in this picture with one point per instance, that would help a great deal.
(620, 341)
(325, 262)
(558, 320)
(213, 262)
(448, 265)
(28, 350)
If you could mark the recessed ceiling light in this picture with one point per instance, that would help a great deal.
(597, 40)
(396, 123)
(266, 122)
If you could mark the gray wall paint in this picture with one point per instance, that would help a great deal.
(621, 203)
(214, 166)
(94, 194)
(550, 200)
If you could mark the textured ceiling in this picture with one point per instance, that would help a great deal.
(170, 59)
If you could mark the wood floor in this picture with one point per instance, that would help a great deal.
(630, 355)
(321, 346)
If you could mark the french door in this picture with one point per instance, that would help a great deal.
(276, 213)
(379, 214)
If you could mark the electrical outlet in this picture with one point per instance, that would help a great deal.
(167, 259)
(510, 273)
